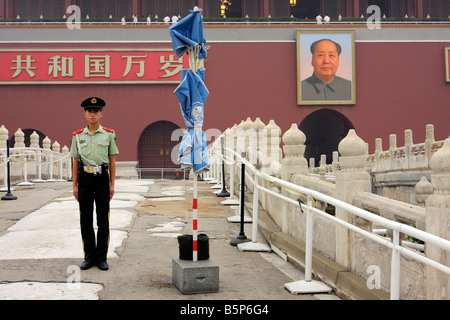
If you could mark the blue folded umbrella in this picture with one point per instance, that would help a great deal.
(187, 35)
(193, 152)
(192, 94)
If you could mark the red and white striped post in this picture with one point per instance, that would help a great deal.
(194, 220)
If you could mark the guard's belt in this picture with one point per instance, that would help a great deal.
(95, 169)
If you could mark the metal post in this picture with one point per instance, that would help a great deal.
(71, 170)
(194, 220)
(232, 200)
(254, 246)
(61, 168)
(51, 168)
(308, 242)
(308, 285)
(241, 237)
(8, 195)
(25, 181)
(395, 267)
(223, 192)
(255, 209)
(39, 178)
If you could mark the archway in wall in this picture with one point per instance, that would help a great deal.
(27, 138)
(158, 148)
(324, 129)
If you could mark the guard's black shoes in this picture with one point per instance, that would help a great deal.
(103, 266)
(86, 264)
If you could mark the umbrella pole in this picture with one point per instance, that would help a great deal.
(194, 220)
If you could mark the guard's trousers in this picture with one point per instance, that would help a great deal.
(94, 188)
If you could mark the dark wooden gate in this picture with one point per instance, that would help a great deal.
(157, 153)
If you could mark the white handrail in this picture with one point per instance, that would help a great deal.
(37, 153)
(397, 227)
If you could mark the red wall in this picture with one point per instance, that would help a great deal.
(399, 86)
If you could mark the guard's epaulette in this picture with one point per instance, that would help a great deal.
(77, 132)
(108, 129)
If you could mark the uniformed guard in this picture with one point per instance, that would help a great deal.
(93, 150)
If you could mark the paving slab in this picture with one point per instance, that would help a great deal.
(41, 250)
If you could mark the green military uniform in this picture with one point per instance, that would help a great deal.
(97, 146)
(93, 151)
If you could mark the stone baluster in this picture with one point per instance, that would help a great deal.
(258, 125)
(17, 167)
(226, 155)
(351, 177)
(237, 172)
(422, 190)
(33, 155)
(429, 139)
(251, 143)
(34, 143)
(335, 162)
(271, 145)
(293, 163)
(408, 137)
(46, 143)
(3, 168)
(392, 146)
(3, 137)
(56, 148)
(19, 139)
(438, 222)
(392, 141)
(312, 165)
(233, 140)
(322, 167)
(240, 138)
(294, 148)
(46, 156)
(408, 144)
(234, 180)
(34, 140)
(235, 134)
(378, 151)
(66, 166)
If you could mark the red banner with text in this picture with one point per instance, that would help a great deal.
(84, 66)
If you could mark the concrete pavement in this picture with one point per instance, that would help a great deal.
(41, 250)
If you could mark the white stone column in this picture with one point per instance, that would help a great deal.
(294, 148)
(46, 156)
(16, 165)
(67, 169)
(438, 222)
(34, 155)
(3, 168)
(270, 145)
(351, 177)
(3, 137)
(258, 126)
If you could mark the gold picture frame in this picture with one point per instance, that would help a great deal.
(324, 78)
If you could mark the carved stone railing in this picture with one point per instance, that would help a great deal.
(350, 179)
(33, 164)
